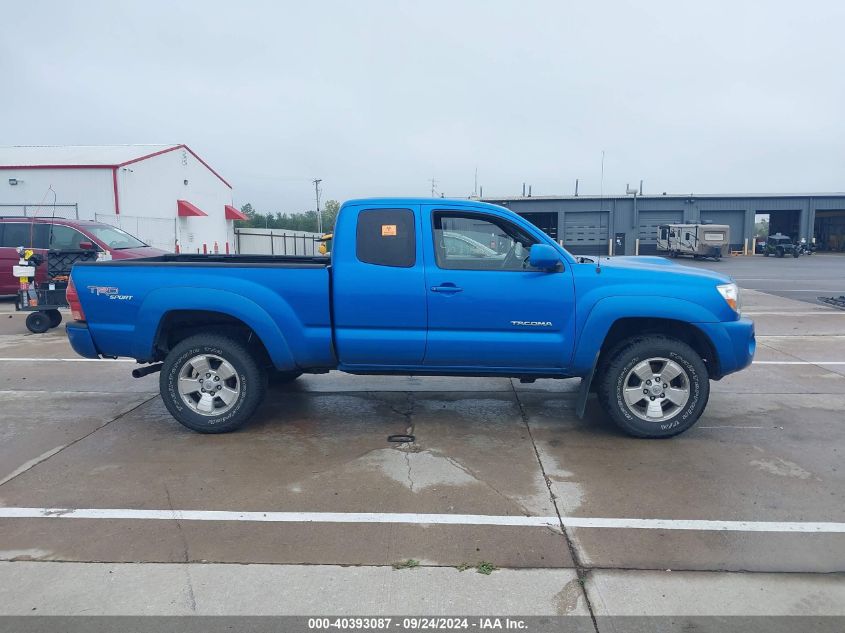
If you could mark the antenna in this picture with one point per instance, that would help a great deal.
(52, 219)
(433, 182)
(601, 208)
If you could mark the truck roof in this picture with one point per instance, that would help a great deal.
(412, 200)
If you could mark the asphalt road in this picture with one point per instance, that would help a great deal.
(306, 510)
(803, 278)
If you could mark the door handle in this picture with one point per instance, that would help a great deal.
(447, 288)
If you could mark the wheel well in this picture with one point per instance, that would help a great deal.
(178, 325)
(639, 326)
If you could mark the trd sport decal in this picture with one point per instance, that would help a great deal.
(110, 292)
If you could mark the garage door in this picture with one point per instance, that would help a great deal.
(734, 219)
(546, 222)
(647, 231)
(586, 233)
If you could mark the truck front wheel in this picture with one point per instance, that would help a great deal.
(211, 383)
(654, 386)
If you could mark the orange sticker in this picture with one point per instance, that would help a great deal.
(388, 230)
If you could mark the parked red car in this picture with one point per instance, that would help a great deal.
(42, 234)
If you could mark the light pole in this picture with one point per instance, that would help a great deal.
(317, 182)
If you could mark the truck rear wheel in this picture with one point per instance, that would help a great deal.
(211, 383)
(654, 386)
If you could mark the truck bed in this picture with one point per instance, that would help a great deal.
(283, 299)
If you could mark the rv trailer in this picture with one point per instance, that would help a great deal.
(694, 240)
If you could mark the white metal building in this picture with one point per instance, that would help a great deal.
(163, 194)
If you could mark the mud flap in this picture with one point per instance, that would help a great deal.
(584, 390)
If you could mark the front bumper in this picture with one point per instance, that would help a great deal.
(734, 344)
(80, 340)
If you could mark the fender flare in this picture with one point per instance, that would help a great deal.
(158, 303)
(607, 311)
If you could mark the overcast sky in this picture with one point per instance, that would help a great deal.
(377, 98)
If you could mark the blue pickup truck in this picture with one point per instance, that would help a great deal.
(418, 287)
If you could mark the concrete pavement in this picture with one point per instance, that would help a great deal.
(768, 449)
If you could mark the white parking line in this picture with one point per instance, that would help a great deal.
(421, 519)
(794, 314)
(799, 362)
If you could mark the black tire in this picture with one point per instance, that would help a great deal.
(38, 322)
(765, 253)
(779, 252)
(796, 253)
(622, 361)
(283, 377)
(249, 379)
(55, 317)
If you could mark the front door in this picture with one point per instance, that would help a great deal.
(487, 308)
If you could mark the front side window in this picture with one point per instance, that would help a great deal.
(66, 238)
(464, 241)
(114, 237)
(386, 237)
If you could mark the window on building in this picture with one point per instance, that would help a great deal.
(386, 237)
(474, 242)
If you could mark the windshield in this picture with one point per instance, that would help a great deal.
(113, 237)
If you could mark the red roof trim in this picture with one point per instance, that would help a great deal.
(146, 156)
(233, 214)
(207, 166)
(57, 166)
(128, 162)
(170, 149)
(185, 209)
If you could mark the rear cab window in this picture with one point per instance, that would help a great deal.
(386, 237)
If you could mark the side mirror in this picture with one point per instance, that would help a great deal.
(544, 257)
(86, 246)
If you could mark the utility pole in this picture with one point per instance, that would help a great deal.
(475, 185)
(433, 187)
(317, 182)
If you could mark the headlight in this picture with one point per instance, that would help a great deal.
(731, 294)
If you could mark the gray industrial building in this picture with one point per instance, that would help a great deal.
(586, 224)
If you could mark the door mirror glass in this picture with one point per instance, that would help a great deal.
(544, 257)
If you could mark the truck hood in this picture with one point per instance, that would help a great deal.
(660, 266)
(656, 279)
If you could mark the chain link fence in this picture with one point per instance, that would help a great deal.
(276, 242)
(64, 210)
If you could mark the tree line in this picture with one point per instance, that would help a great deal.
(302, 221)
